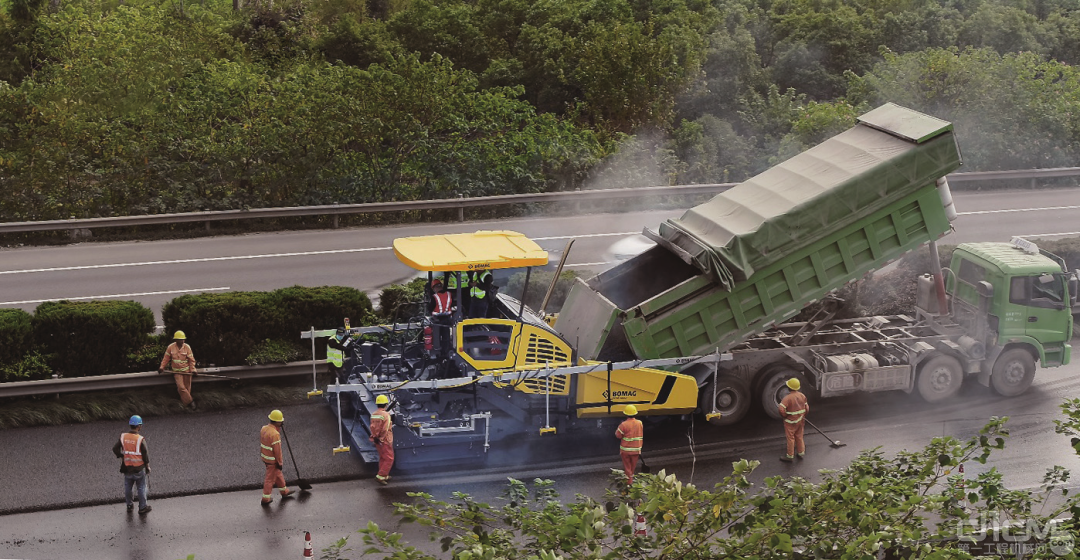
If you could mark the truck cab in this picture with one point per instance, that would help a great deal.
(1026, 295)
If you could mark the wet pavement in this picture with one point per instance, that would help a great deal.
(206, 472)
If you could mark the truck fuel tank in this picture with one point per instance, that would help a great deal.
(850, 362)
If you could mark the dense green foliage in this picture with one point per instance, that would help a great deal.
(237, 328)
(136, 108)
(76, 339)
(402, 302)
(87, 338)
(916, 504)
(15, 334)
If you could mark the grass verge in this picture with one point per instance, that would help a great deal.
(77, 408)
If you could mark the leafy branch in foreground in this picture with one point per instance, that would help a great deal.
(911, 505)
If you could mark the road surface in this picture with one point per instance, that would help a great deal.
(156, 272)
(207, 473)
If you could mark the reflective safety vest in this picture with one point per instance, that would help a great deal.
(381, 426)
(632, 432)
(177, 360)
(270, 441)
(131, 444)
(477, 291)
(442, 303)
(793, 407)
(450, 280)
(334, 355)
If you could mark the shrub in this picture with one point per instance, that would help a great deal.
(325, 307)
(276, 352)
(31, 366)
(91, 337)
(148, 356)
(400, 302)
(16, 335)
(223, 329)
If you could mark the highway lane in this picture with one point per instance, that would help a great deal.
(206, 462)
(155, 272)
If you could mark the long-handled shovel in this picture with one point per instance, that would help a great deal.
(303, 484)
(834, 443)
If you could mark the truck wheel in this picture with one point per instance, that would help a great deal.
(1013, 372)
(774, 388)
(732, 400)
(940, 377)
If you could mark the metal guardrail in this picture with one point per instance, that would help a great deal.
(460, 203)
(368, 208)
(152, 378)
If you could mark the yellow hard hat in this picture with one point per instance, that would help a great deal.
(382, 399)
(276, 416)
(179, 336)
(630, 410)
(794, 384)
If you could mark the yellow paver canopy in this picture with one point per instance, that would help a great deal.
(469, 251)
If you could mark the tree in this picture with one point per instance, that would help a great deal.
(909, 505)
(1033, 122)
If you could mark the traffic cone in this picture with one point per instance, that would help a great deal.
(308, 553)
(639, 526)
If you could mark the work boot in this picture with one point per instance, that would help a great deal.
(286, 493)
(130, 507)
(800, 455)
(192, 405)
(383, 481)
(145, 510)
(266, 503)
(787, 458)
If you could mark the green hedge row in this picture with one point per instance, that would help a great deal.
(226, 329)
(76, 339)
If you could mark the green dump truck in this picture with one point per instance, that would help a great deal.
(726, 276)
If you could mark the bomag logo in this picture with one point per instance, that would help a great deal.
(480, 266)
(620, 394)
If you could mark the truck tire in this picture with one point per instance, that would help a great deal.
(774, 389)
(940, 377)
(1013, 372)
(732, 399)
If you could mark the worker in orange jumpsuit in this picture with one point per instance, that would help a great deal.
(793, 409)
(181, 363)
(382, 433)
(630, 433)
(270, 441)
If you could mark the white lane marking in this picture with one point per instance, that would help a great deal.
(1027, 235)
(1007, 210)
(550, 238)
(588, 264)
(205, 259)
(585, 236)
(272, 255)
(191, 291)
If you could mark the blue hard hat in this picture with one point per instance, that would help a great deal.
(135, 421)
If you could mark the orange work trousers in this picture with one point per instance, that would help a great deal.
(794, 433)
(273, 479)
(386, 459)
(183, 386)
(629, 464)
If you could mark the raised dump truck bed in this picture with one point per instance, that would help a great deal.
(757, 254)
